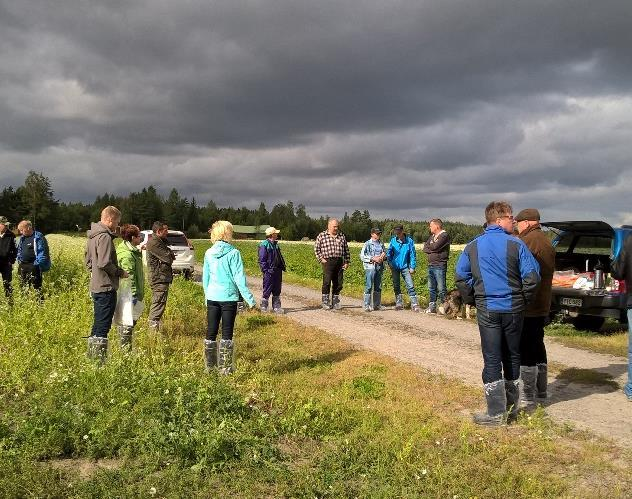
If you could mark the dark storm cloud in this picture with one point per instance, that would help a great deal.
(445, 103)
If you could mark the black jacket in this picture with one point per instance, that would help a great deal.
(8, 250)
(622, 267)
(438, 250)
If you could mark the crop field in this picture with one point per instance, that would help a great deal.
(304, 415)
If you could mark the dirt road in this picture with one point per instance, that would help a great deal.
(452, 347)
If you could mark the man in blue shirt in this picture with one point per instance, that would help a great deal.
(498, 273)
(32, 256)
(402, 258)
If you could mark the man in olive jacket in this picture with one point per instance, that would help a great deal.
(622, 269)
(105, 273)
(533, 361)
(159, 260)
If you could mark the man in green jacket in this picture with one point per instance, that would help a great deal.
(159, 260)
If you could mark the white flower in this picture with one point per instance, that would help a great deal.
(424, 471)
(167, 391)
(85, 437)
(152, 491)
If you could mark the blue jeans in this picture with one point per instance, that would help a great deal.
(104, 305)
(500, 344)
(408, 280)
(628, 386)
(373, 280)
(436, 283)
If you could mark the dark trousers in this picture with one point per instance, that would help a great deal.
(272, 283)
(226, 311)
(31, 275)
(6, 269)
(532, 349)
(104, 305)
(332, 276)
(159, 295)
(500, 344)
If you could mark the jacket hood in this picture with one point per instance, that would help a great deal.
(220, 248)
(98, 228)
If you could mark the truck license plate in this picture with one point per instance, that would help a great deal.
(571, 302)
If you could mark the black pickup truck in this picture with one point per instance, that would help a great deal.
(579, 247)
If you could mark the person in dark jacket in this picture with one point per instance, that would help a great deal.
(437, 247)
(498, 272)
(8, 254)
(622, 269)
(272, 266)
(159, 260)
(533, 361)
(105, 273)
(32, 256)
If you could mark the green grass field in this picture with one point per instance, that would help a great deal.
(305, 415)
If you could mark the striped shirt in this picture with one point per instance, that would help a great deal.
(328, 246)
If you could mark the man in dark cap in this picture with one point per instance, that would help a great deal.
(533, 361)
(8, 253)
(402, 258)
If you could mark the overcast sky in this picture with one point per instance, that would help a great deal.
(414, 109)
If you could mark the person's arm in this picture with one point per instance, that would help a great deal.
(432, 246)
(205, 273)
(413, 254)
(364, 256)
(318, 248)
(390, 251)
(346, 256)
(13, 251)
(617, 269)
(239, 277)
(529, 273)
(263, 259)
(18, 251)
(104, 250)
(464, 278)
(160, 251)
(128, 264)
(42, 255)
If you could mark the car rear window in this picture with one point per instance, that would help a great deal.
(176, 240)
(584, 245)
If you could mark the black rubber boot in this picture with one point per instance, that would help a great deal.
(512, 394)
(496, 399)
(335, 302)
(541, 381)
(325, 303)
(210, 354)
(97, 348)
(226, 358)
(528, 375)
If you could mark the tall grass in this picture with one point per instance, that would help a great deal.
(304, 415)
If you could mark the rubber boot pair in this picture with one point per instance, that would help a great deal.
(367, 302)
(219, 355)
(97, 348)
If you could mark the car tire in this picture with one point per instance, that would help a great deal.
(588, 323)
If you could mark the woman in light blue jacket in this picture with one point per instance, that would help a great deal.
(373, 255)
(223, 279)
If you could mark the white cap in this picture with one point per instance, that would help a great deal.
(271, 230)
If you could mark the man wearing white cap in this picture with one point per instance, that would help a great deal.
(272, 267)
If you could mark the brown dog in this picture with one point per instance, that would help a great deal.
(453, 306)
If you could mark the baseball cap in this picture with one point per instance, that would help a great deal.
(375, 230)
(398, 227)
(271, 230)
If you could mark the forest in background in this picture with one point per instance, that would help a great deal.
(35, 201)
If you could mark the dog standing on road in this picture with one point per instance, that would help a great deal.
(453, 306)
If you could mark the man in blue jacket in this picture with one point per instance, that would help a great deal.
(402, 259)
(498, 273)
(33, 257)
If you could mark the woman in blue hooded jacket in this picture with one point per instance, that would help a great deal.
(223, 280)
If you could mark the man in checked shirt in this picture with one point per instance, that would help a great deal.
(332, 252)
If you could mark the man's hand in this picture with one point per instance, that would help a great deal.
(124, 275)
(412, 271)
(345, 266)
(323, 260)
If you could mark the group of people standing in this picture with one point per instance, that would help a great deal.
(108, 264)
(332, 251)
(30, 253)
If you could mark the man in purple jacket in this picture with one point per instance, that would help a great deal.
(272, 266)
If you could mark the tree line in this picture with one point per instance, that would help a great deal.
(35, 200)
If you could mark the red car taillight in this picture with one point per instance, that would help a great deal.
(617, 286)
